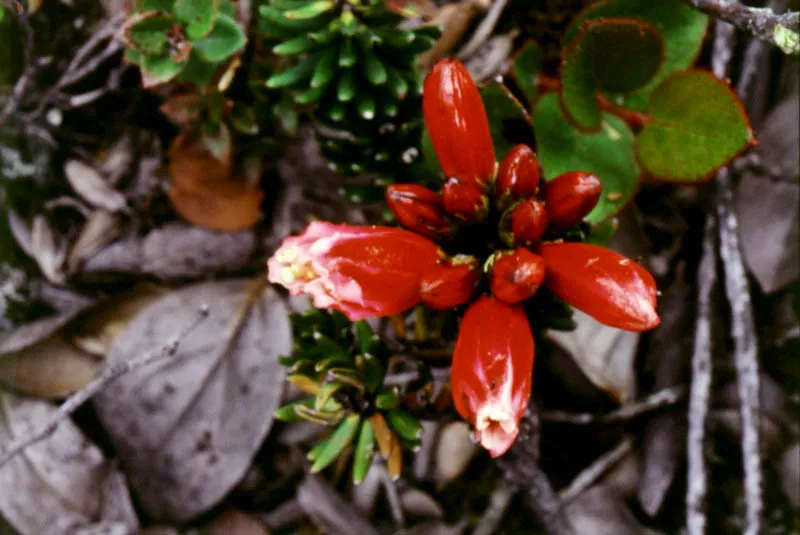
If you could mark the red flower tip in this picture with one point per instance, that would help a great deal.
(419, 209)
(491, 371)
(570, 197)
(516, 275)
(457, 123)
(524, 223)
(606, 285)
(450, 283)
(465, 201)
(518, 176)
(360, 271)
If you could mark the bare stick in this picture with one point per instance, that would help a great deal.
(107, 376)
(700, 390)
(27, 49)
(666, 397)
(493, 514)
(597, 469)
(780, 30)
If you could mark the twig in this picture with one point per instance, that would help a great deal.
(27, 49)
(590, 475)
(391, 495)
(780, 30)
(65, 410)
(666, 397)
(495, 511)
(700, 391)
(521, 470)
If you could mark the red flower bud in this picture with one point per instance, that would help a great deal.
(606, 285)
(457, 122)
(466, 202)
(516, 275)
(419, 209)
(524, 223)
(360, 271)
(450, 283)
(518, 176)
(491, 371)
(570, 197)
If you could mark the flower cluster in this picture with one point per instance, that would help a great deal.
(489, 240)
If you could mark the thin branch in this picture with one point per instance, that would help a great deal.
(780, 30)
(521, 470)
(107, 376)
(666, 397)
(21, 86)
(595, 471)
(493, 514)
(700, 391)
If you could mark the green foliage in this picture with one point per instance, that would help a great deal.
(184, 40)
(355, 69)
(608, 153)
(509, 123)
(343, 366)
(697, 124)
(609, 55)
(526, 66)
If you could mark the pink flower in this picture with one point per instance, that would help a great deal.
(360, 271)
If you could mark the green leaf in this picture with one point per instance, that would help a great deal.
(286, 113)
(347, 53)
(159, 69)
(2, 13)
(325, 70)
(288, 414)
(527, 64)
(602, 233)
(397, 84)
(336, 443)
(609, 55)
(346, 89)
(387, 399)
(366, 106)
(365, 448)
(243, 119)
(310, 10)
(374, 71)
(608, 154)
(293, 75)
(698, 125)
(374, 372)
(295, 46)
(509, 123)
(225, 38)
(406, 425)
(147, 33)
(325, 394)
(154, 5)
(310, 96)
(682, 28)
(198, 71)
(197, 15)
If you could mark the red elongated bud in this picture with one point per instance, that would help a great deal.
(360, 271)
(451, 282)
(570, 197)
(611, 288)
(491, 371)
(518, 176)
(516, 275)
(457, 123)
(465, 201)
(419, 209)
(524, 223)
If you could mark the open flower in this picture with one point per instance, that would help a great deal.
(360, 271)
(491, 372)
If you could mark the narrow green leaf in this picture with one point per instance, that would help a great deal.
(276, 20)
(373, 68)
(347, 53)
(325, 69)
(397, 84)
(698, 125)
(366, 106)
(365, 449)
(288, 414)
(295, 46)
(293, 75)
(322, 417)
(325, 394)
(243, 119)
(346, 89)
(310, 10)
(336, 443)
(365, 336)
(608, 154)
(632, 54)
(225, 39)
(198, 16)
(387, 399)
(374, 372)
(406, 425)
(310, 96)
(286, 113)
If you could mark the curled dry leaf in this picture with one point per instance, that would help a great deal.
(454, 20)
(21, 232)
(204, 190)
(116, 161)
(419, 503)
(49, 251)
(491, 58)
(601, 510)
(329, 510)
(92, 187)
(102, 228)
(604, 354)
(187, 428)
(99, 327)
(52, 368)
(36, 331)
(453, 453)
(62, 484)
